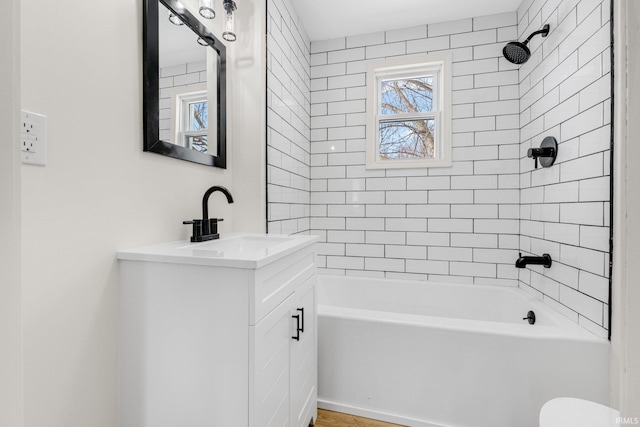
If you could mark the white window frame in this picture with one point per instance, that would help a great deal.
(184, 100)
(437, 64)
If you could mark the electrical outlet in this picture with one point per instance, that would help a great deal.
(33, 138)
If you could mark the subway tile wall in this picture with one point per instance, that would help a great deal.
(288, 121)
(565, 92)
(456, 224)
(466, 223)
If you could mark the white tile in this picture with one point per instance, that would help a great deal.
(594, 286)
(403, 34)
(353, 263)
(495, 21)
(384, 264)
(328, 45)
(368, 197)
(450, 225)
(452, 27)
(506, 226)
(562, 233)
(407, 197)
(566, 192)
(582, 258)
(474, 211)
(470, 240)
(583, 304)
(472, 269)
(385, 237)
(474, 38)
(452, 196)
(595, 141)
(450, 254)
(489, 65)
(335, 236)
(475, 95)
(596, 189)
(365, 39)
(474, 182)
(428, 239)
(366, 224)
(489, 152)
(346, 55)
(496, 79)
(397, 183)
(582, 213)
(428, 211)
(347, 211)
(595, 238)
(583, 168)
(428, 45)
(427, 267)
(386, 211)
(405, 252)
(386, 50)
(406, 224)
(365, 250)
(497, 196)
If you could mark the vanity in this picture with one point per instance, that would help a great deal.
(219, 334)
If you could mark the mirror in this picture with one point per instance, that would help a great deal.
(184, 86)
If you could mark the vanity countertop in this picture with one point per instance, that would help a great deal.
(234, 250)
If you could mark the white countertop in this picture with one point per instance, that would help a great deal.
(234, 250)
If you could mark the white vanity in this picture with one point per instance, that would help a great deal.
(219, 334)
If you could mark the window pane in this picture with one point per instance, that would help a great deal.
(198, 115)
(412, 139)
(197, 143)
(413, 95)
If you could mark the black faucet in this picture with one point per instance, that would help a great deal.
(207, 228)
(544, 260)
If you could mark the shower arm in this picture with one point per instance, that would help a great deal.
(544, 31)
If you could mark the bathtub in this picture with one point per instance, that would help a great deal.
(436, 354)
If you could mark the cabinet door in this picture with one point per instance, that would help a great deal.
(304, 374)
(269, 362)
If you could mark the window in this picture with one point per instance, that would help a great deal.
(409, 112)
(194, 119)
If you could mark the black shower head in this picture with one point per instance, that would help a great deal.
(519, 53)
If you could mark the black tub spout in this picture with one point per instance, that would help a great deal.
(544, 260)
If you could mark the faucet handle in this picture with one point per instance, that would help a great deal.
(197, 228)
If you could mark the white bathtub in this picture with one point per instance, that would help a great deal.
(432, 354)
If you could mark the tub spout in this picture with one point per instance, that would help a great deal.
(544, 260)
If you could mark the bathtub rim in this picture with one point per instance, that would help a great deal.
(563, 328)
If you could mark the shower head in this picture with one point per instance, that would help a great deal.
(519, 53)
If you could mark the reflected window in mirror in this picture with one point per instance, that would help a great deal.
(185, 65)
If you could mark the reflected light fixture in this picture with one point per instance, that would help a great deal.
(175, 20)
(206, 9)
(229, 33)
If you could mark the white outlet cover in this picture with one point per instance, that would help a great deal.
(33, 138)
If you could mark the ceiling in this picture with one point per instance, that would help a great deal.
(328, 19)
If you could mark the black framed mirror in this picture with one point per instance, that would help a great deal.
(184, 74)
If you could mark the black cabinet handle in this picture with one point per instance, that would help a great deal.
(301, 310)
(297, 337)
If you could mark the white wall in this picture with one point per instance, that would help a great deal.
(82, 67)
(10, 292)
(288, 106)
(625, 324)
(459, 223)
(565, 91)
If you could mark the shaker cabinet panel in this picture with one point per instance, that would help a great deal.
(214, 346)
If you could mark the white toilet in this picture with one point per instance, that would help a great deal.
(570, 412)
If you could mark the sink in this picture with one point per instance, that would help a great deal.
(241, 250)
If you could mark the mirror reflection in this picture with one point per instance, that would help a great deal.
(186, 100)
